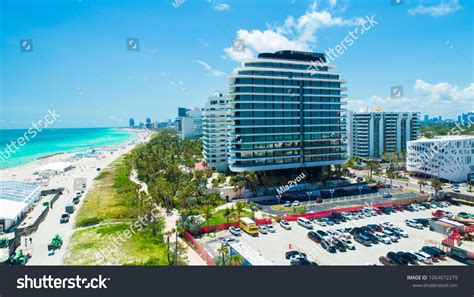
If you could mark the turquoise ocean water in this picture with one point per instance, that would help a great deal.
(53, 141)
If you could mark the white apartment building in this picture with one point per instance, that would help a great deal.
(449, 157)
(370, 134)
(191, 125)
(215, 128)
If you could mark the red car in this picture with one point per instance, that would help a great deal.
(442, 213)
(386, 261)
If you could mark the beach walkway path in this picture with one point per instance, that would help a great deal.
(170, 224)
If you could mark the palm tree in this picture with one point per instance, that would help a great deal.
(422, 183)
(228, 213)
(437, 185)
(223, 250)
(371, 165)
(236, 260)
(239, 207)
(207, 213)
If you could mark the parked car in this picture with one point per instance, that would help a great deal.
(397, 258)
(323, 234)
(285, 225)
(412, 259)
(442, 213)
(270, 228)
(424, 222)
(386, 225)
(296, 203)
(382, 237)
(290, 254)
(328, 221)
(301, 261)
(315, 237)
(362, 239)
(434, 251)
(386, 261)
(345, 233)
(228, 240)
(371, 237)
(392, 236)
(348, 243)
(287, 204)
(398, 232)
(320, 222)
(328, 247)
(387, 195)
(414, 224)
(423, 257)
(305, 223)
(374, 227)
(64, 218)
(409, 208)
(339, 245)
(262, 229)
(334, 234)
(456, 190)
(76, 200)
(235, 231)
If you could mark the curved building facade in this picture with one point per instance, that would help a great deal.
(287, 112)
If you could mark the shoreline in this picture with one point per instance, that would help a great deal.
(49, 157)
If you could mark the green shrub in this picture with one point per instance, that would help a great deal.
(88, 222)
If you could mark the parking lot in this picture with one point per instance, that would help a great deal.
(272, 246)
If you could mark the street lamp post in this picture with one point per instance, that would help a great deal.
(279, 198)
(360, 190)
(332, 193)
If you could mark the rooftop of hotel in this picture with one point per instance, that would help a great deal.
(15, 196)
(445, 138)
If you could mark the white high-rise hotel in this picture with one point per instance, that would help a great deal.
(287, 110)
(215, 129)
(373, 133)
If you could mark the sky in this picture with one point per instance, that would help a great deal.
(72, 57)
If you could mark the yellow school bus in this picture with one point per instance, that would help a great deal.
(248, 226)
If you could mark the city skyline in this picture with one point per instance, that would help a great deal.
(46, 65)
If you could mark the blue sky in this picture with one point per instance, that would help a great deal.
(81, 68)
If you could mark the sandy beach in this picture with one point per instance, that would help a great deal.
(84, 167)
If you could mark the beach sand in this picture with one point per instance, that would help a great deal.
(84, 167)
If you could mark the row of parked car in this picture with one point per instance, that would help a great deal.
(298, 258)
(427, 255)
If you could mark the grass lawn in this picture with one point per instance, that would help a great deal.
(110, 213)
(218, 217)
(86, 246)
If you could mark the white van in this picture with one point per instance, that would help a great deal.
(305, 223)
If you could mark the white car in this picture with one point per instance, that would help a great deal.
(348, 243)
(382, 237)
(390, 235)
(262, 229)
(235, 231)
(285, 225)
(320, 223)
(344, 233)
(444, 204)
(270, 228)
(412, 223)
(421, 207)
(335, 234)
(296, 203)
(386, 225)
(423, 257)
(401, 232)
(228, 240)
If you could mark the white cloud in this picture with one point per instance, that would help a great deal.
(443, 8)
(433, 99)
(294, 34)
(208, 67)
(221, 7)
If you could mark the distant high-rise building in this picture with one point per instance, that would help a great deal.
(131, 123)
(373, 133)
(191, 124)
(287, 113)
(215, 128)
(182, 111)
(467, 118)
(149, 124)
(426, 118)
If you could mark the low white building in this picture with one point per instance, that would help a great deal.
(448, 157)
(16, 199)
(53, 168)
